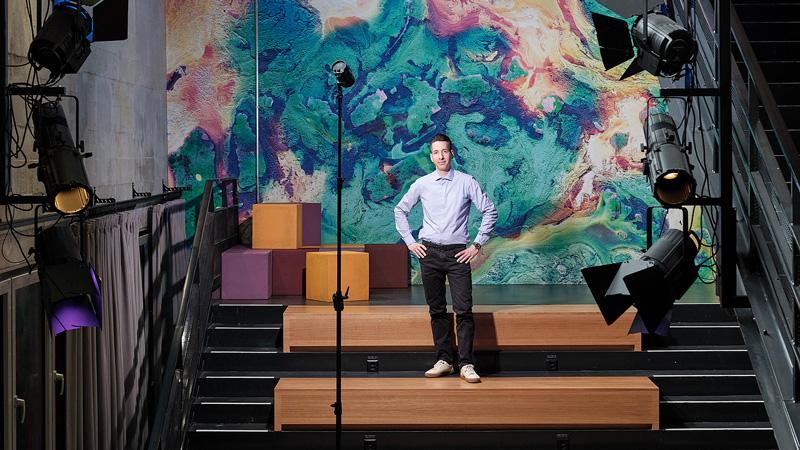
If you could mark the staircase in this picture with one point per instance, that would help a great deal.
(709, 397)
(774, 32)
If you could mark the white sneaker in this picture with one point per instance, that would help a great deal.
(469, 375)
(439, 369)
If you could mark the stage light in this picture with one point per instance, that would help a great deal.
(651, 284)
(70, 286)
(63, 43)
(666, 164)
(662, 46)
(344, 77)
(60, 168)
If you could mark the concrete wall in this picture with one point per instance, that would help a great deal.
(122, 109)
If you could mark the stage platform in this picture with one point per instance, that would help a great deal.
(698, 385)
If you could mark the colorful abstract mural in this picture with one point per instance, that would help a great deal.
(518, 85)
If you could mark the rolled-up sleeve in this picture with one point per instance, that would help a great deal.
(487, 209)
(402, 210)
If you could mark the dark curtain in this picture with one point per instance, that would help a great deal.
(108, 370)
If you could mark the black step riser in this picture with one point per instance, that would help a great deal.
(668, 386)
(791, 116)
(487, 362)
(705, 336)
(247, 314)
(243, 337)
(777, 72)
(703, 385)
(232, 413)
(773, 140)
(775, 12)
(786, 93)
(260, 338)
(772, 31)
(711, 412)
(236, 387)
(482, 440)
(253, 315)
(777, 51)
(684, 312)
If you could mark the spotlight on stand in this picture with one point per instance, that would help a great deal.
(651, 284)
(662, 46)
(70, 286)
(666, 164)
(60, 168)
(344, 77)
(64, 41)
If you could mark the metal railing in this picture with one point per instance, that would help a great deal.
(768, 189)
(216, 230)
(766, 194)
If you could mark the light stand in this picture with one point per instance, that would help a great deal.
(344, 78)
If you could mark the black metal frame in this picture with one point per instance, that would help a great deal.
(216, 230)
(649, 222)
(721, 92)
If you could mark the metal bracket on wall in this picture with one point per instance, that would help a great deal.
(137, 194)
(100, 200)
(165, 188)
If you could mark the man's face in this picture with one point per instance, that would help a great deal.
(441, 155)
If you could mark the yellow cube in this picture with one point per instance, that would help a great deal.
(286, 225)
(321, 275)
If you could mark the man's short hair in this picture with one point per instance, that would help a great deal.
(442, 138)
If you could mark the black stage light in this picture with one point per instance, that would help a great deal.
(63, 42)
(344, 76)
(666, 163)
(663, 47)
(61, 168)
(651, 284)
(70, 286)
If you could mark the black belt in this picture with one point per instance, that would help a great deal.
(442, 247)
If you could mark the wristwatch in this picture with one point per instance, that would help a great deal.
(477, 245)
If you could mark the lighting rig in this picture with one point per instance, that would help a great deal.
(60, 45)
(652, 283)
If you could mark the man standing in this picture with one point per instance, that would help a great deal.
(446, 195)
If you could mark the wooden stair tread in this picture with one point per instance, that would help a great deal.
(519, 402)
(497, 327)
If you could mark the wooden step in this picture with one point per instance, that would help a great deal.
(531, 327)
(511, 327)
(450, 403)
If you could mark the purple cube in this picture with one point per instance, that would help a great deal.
(246, 274)
(312, 224)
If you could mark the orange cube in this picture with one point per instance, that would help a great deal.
(286, 225)
(321, 275)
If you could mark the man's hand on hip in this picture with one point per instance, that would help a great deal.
(418, 249)
(467, 255)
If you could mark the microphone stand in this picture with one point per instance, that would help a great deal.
(338, 297)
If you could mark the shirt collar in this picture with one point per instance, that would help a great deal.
(448, 177)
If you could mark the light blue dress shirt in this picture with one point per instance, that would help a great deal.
(445, 206)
